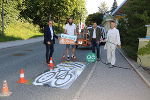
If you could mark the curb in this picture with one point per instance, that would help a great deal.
(9, 44)
(136, 70)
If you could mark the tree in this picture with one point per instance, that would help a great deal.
(9, 12)
(96, 17)
(40, 10)
(114, 6)
(132, 27)
(103, 8)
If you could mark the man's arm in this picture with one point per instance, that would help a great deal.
(46, 36)
(55, 36)
(118, 40)
(75, 32)
(65, 31)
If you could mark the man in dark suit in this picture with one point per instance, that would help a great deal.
(49, 40)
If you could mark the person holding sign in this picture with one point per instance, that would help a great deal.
(70, 29)
(95, 38)
(49, 40)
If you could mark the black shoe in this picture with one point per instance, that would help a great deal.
(108, 63)
(68, 58)
(47, 62)
(98, 59)
(73, 57)
(113, 66)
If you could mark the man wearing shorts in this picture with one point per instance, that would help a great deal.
(70, 29)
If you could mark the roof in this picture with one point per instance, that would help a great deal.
(119, 7)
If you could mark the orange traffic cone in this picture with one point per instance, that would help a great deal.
(5, 90)
(51, 64)
(22, 80)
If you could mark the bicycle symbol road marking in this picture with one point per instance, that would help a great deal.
(62, 77)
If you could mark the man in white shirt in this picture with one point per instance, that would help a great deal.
(113, 41)
(70, 29)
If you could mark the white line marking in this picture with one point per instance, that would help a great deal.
(78, 93)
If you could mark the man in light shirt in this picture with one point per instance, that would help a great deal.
(95, 37)
(70, 29)
(113, 41)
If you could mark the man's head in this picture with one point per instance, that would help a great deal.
(70, 21)
(112, 24)
(94, 24)
(50, 23)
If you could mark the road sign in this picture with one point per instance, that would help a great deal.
(91, 57)
(67, 39)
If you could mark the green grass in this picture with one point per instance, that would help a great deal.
(20, 31)
(8, 38)
(145, 50)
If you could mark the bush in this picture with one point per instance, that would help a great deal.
(145, 50)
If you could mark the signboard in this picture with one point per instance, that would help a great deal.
(61, 77)
(67, 39)
(91, 57)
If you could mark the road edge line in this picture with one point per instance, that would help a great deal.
(136, 70)
(78, 93)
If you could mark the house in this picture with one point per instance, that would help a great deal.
(116, 15)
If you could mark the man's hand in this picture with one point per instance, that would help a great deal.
(102, 40)
(98, 42)
(59, 38)
(48, 42)
(77, 33)
(89, 43)
(119, 46)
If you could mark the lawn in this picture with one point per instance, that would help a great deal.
(20, 31)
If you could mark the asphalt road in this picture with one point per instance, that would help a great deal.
(31, 57)
(103, 83)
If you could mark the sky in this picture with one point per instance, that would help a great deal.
(92, 5)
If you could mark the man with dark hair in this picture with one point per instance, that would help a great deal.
(95, 37)
(113, 41)
(70, 29)
(49, 40)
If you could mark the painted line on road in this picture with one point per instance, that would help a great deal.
(136, 70)
(78, 93)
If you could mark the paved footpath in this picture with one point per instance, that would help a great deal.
(114, 83)
(19, 42)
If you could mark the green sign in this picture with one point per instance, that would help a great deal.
(91, 57)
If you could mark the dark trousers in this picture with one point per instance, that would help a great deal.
(49, 51)
(97, 46)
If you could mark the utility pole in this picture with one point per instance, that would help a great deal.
(81, 15)
(2, 17)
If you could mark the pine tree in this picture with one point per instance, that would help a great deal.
(114, 6)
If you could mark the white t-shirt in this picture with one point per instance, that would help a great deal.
(70, 29)
(52, 34)
(94, 34)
